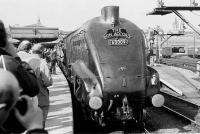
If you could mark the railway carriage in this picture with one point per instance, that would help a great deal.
(107, 72)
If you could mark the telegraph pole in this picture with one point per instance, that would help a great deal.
(157, 44)
(194, 54)
(157, 49)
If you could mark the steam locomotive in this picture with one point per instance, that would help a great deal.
(107, 73)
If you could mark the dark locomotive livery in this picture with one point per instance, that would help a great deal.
(107, 72)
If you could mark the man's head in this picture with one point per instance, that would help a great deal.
(9, 93)
(37, 48)
(4, 41)
(24, 46)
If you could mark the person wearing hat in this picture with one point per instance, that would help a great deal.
(23, 49)
(44, 78)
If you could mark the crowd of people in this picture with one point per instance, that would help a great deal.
(26, 73)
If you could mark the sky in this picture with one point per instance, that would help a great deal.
(68, 15)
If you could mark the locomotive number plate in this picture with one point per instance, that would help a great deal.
(118, 42)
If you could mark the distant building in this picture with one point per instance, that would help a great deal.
(34, 33)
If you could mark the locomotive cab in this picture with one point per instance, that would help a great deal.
(107, 72)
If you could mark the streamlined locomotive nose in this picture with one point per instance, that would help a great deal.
(109, 77)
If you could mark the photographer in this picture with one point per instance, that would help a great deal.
(21, 70)
(30, 118)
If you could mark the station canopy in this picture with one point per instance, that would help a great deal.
(34, 33)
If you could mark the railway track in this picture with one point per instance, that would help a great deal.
(146, 131)
(182, 107)
(193, 121)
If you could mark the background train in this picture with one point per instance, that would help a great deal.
(107, 73)
(168, 52)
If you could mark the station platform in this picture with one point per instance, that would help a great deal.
(184, 83)
(59, 120)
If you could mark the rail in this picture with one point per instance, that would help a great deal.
(146, 131)
(181, 107)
